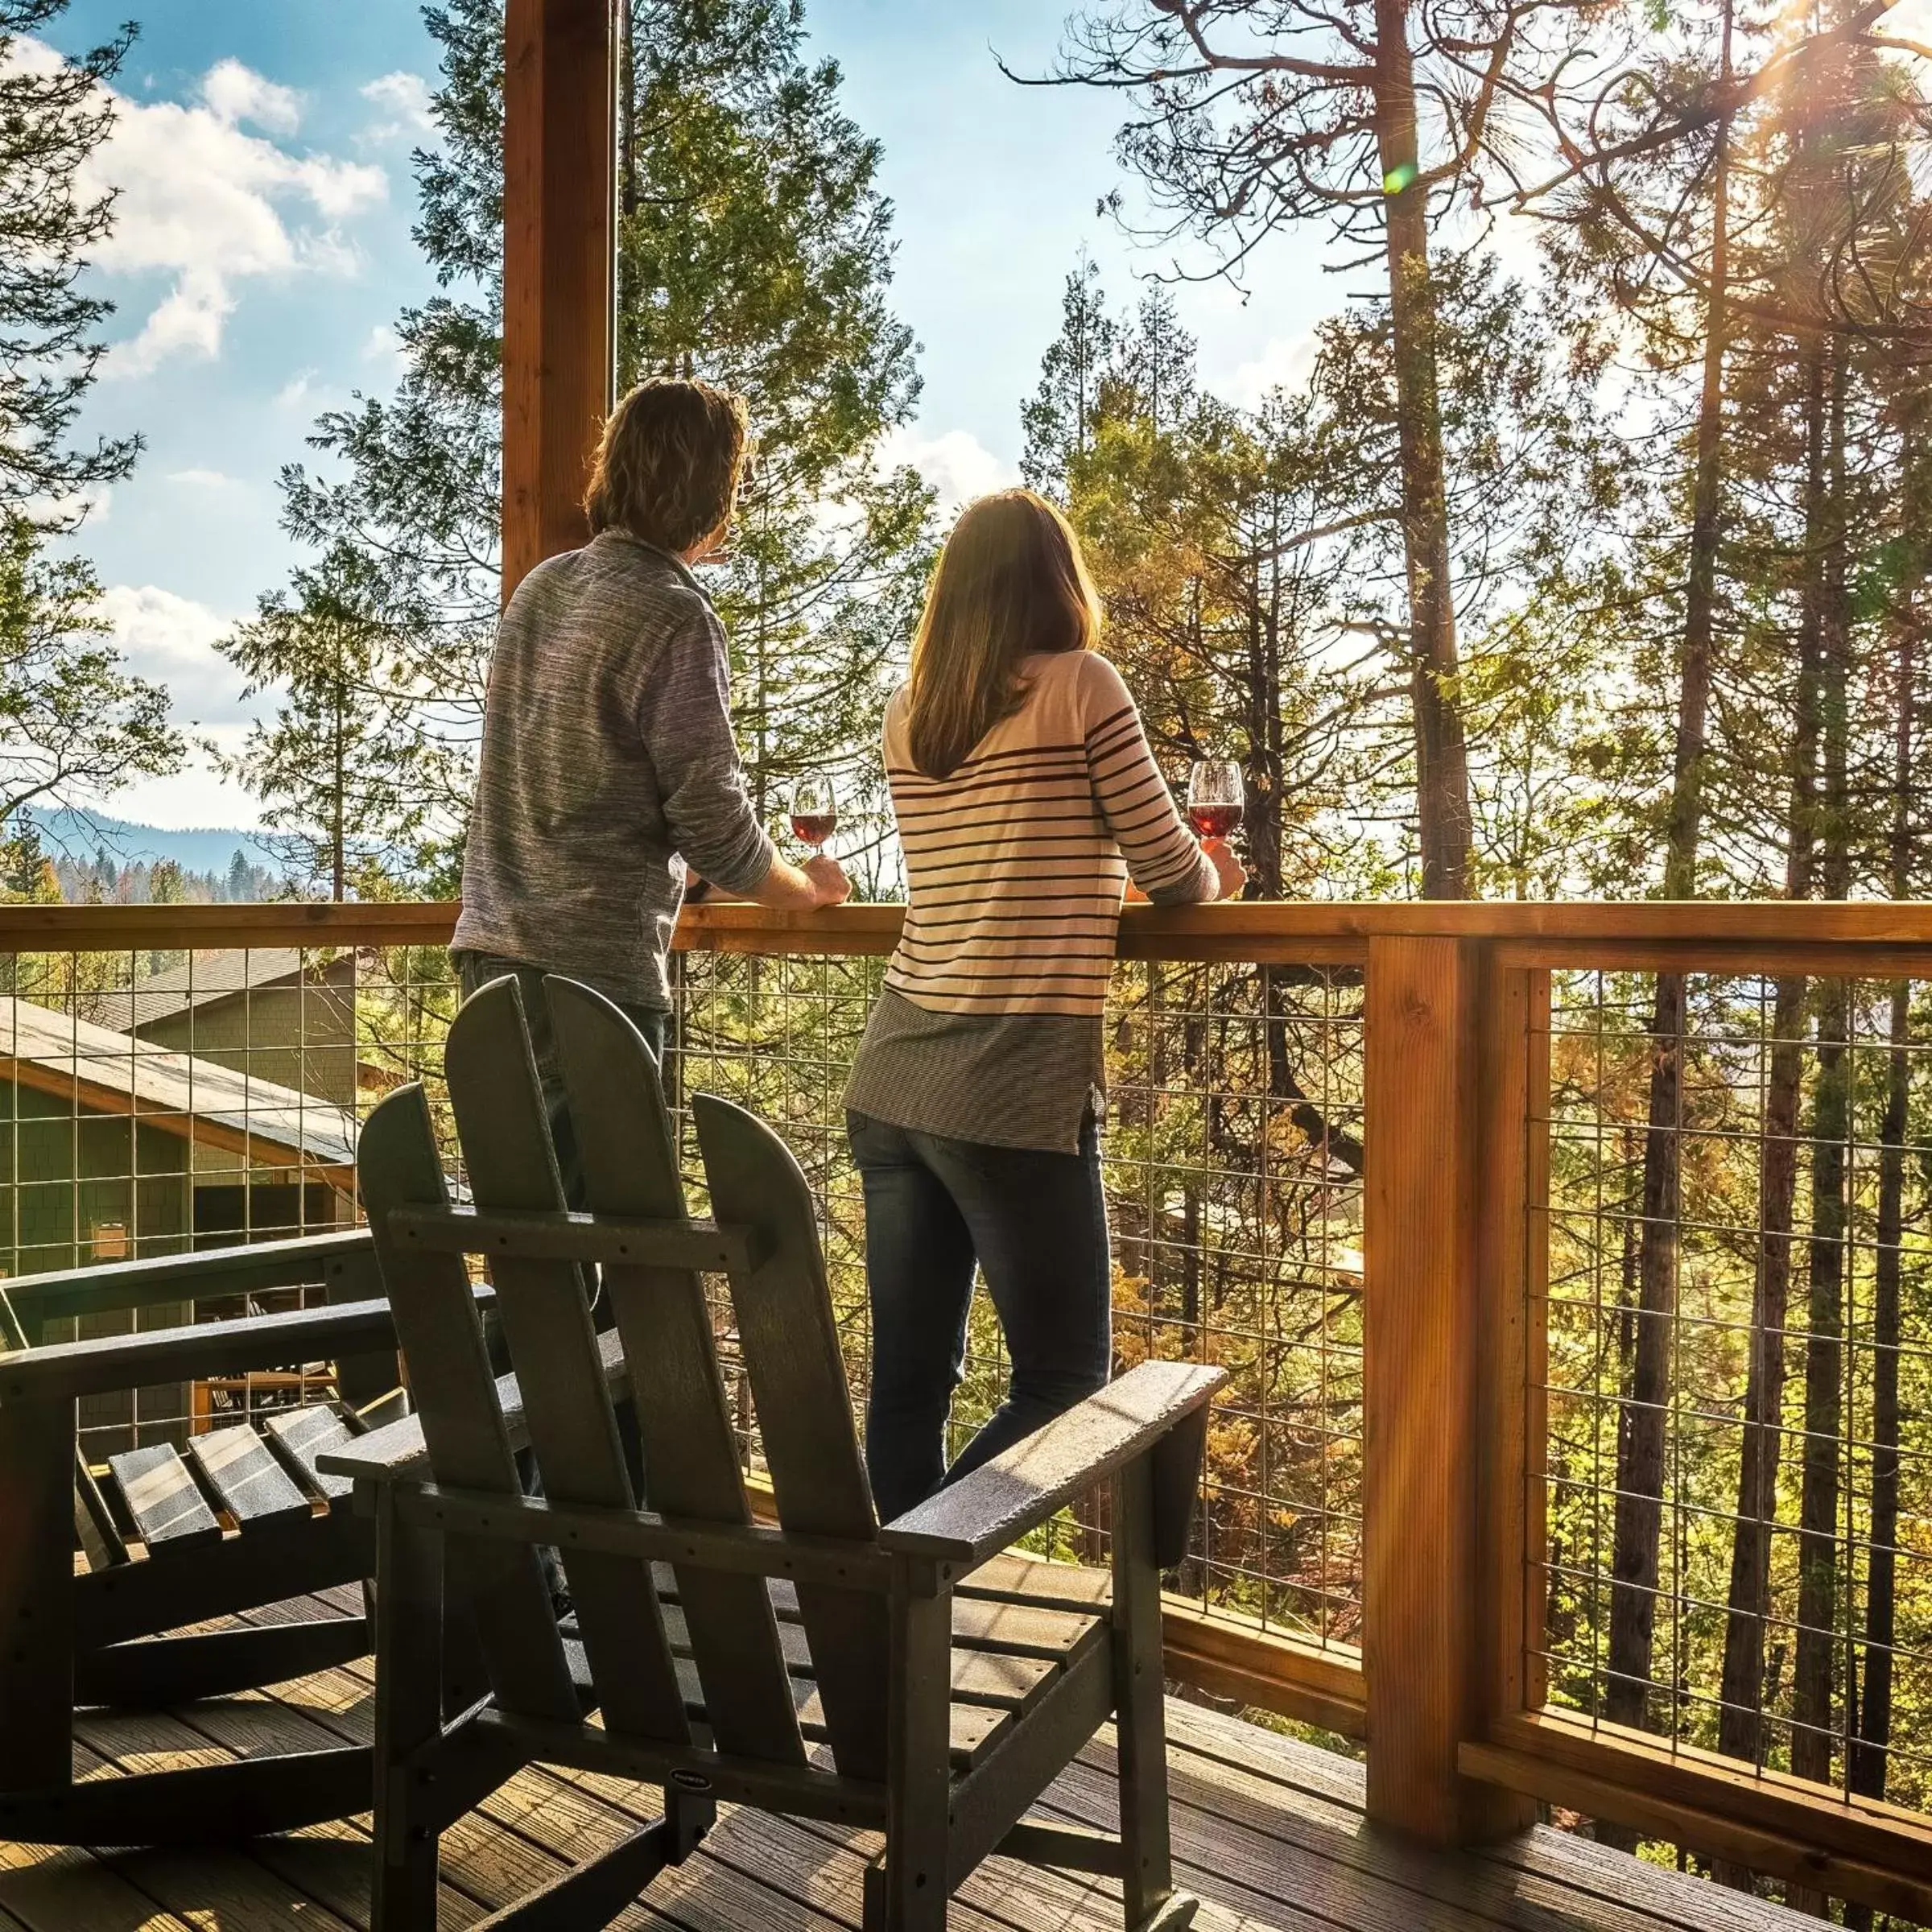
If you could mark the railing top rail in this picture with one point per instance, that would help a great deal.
(1687, 933)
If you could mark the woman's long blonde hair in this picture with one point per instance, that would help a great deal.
(1011, 581)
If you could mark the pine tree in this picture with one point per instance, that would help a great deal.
(1252, 115)
(53, 115)
(328, 765)
(73, 723)
(773, 283)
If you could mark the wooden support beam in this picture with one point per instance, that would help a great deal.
(1876, 1855)
(1422, 1656)
(1512, 1148)
(559, 239)
(36, 1594)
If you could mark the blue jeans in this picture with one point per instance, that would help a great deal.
(1035, 1225)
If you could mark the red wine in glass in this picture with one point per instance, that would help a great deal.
(1215, 793)
(1214, 821)
(815, 811)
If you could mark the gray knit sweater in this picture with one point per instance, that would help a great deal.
(607, 762)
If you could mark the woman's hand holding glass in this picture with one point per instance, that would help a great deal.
(1216, 802)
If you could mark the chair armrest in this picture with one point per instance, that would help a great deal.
(397, 1453)
(204, 1275)
(113, 1362)
(974, 1519)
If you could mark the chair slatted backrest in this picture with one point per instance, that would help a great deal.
(511, 1164)
(456, 1397)
(790, 1345)
(691, 1460)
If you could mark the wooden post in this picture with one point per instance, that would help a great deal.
(36, 1595)
(559, 245)
(1422, 1645)
(1512, 1338)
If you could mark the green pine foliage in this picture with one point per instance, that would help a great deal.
(774, 281)
(74, 723)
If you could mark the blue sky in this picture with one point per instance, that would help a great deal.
(263, 158)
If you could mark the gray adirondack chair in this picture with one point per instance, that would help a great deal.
(111, 1629)
(910, 1679)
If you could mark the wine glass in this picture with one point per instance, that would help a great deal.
(815, 810)
(1215, 797)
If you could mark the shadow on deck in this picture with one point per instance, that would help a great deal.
(1269, 1833)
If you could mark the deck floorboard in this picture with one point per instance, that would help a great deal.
(1269, 1833)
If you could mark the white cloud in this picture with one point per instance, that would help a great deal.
(1287, 362)
(235, 93)
(205, 479)
(956, 463)
(213, 205)
(403, 101)
(171, 639)
(300, 392)
(383, 345)
(196, 799)
(189, 322)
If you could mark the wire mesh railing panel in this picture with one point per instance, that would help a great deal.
(1233, 1162)
(160, 1102)
(1738, 1554)
(157, 1103)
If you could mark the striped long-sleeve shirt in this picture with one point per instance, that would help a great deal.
(1016, 863)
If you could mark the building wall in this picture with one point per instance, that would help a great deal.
(77, 1189)
(300, 1034)
(80, 1188)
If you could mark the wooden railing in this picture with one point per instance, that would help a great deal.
(1451, 1686)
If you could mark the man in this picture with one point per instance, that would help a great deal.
(609, 767)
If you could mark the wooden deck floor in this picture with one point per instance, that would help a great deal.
(1269, 1833)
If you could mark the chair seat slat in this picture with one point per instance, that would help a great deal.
(299, 1436)
(999, 1679)
(161, 1499)
(237, 1465)
(1009, 1626)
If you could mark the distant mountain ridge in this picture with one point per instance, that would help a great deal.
(79, 835)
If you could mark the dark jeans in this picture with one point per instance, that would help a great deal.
(474, 971)
(1035, 1224)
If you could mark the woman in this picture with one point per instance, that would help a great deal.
(1026, 797)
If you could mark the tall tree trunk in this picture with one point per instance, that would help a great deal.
(1740, 1728)
(1261, 694)
(1816, 1649)
(1870, 1755)
(1441, 761)
(1740, 1719)
(338, 842)
(627, 110)
(1642, 1420)
(1871, 1752)
(1641, 1417)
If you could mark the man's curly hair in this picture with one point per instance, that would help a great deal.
(670, 462)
